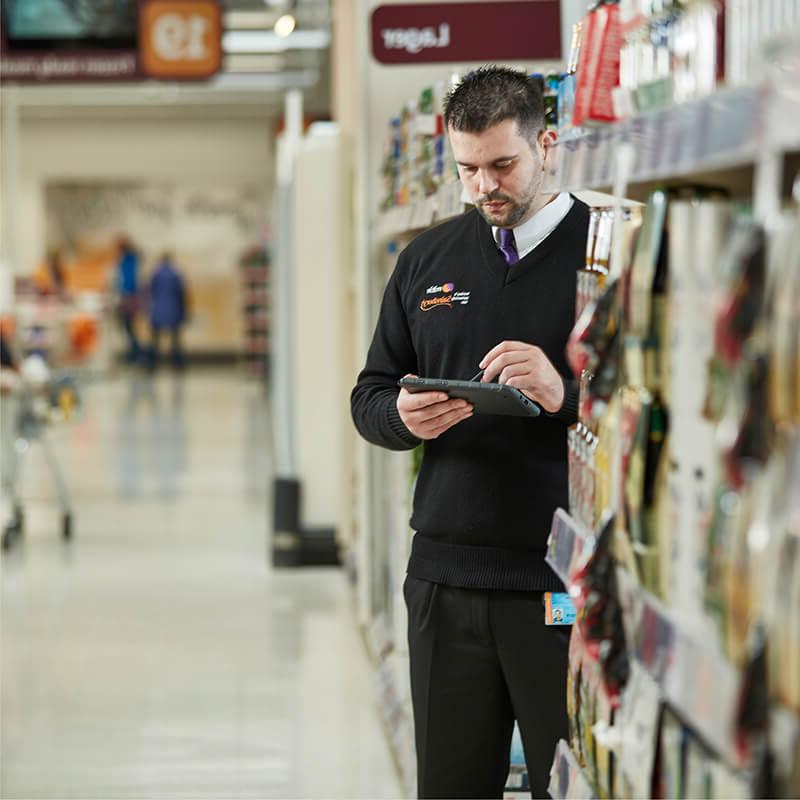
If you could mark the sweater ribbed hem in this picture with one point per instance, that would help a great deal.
(470, 567)
(397, 426)
(568, 413)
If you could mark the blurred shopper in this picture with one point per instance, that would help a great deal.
(167, 310)
(492, 289)
(129, 297)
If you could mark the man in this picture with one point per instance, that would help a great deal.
(167, 310)
(481, 655)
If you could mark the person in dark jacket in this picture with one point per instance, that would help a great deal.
(167, 309)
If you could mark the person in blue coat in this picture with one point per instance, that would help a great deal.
(129, 297)
(167, 309)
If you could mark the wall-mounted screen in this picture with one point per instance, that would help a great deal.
(72, 24)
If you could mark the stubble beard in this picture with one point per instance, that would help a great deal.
(517, 211)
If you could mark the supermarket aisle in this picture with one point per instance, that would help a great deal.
(158, 656)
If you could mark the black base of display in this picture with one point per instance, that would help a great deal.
(291, 544)
(319, 548)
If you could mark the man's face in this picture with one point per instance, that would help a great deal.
(502, 171)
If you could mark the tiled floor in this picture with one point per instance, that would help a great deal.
(158, 654)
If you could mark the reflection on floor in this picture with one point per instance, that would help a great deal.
(158, 655)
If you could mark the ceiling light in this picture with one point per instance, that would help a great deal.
(285, 25)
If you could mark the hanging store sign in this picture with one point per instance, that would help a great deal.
(44, 41)
(180, 39)
(454, 32)
(127, 40)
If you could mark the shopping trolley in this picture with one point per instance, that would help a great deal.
(59, 340)
(30, 406)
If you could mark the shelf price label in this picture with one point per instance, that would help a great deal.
(180, 39)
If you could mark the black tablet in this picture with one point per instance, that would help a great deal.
(486, 398)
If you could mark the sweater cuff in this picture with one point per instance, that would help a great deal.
(397, 426)
(568, 413)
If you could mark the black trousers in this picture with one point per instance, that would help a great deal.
(479, 660)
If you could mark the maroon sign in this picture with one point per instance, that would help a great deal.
(451, 32)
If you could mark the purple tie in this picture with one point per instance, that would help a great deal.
(508, 247)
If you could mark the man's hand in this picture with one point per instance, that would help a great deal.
(527, 368)
(429, 414)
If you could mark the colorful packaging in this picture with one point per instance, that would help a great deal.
(598, 66)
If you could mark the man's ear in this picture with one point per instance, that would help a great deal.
(545, 141)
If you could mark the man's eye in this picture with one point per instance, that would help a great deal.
(504, 164)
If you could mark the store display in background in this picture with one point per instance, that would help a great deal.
(417, 156)
(256, 297)
(208, 228)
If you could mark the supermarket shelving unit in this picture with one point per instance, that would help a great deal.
(745, 141)
(256, 297)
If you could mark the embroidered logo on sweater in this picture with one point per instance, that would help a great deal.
(448, 297)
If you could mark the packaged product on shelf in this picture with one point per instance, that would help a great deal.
(672, 756)
(669, 54)
(574, 677)
(587, 713)
(582, 446)
(604, 755)
(784, 315)
(596, 345)
(647, 255)
(635, 426)
(638, 718)
(608, 434)
(656, 467)
(591, 280)
(697, 776)
(594, 590)
(598, 66)
(742, 300)
(725, 513)
(567, 82)
(785, 656)
(551, 101)
(728, 784)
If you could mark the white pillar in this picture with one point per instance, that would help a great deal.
(283, 376)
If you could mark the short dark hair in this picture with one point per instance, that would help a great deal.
(492, 94)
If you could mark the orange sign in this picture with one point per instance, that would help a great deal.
(180, 39)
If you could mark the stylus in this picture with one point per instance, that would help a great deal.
(478, 376)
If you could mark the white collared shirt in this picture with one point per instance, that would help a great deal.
(533, 232)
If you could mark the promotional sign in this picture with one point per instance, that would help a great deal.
(453, 32)
(180, 38)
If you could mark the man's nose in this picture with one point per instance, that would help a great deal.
(487, 182)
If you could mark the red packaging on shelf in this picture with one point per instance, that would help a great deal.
(598, 68)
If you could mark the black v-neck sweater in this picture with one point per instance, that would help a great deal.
(488, 487)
